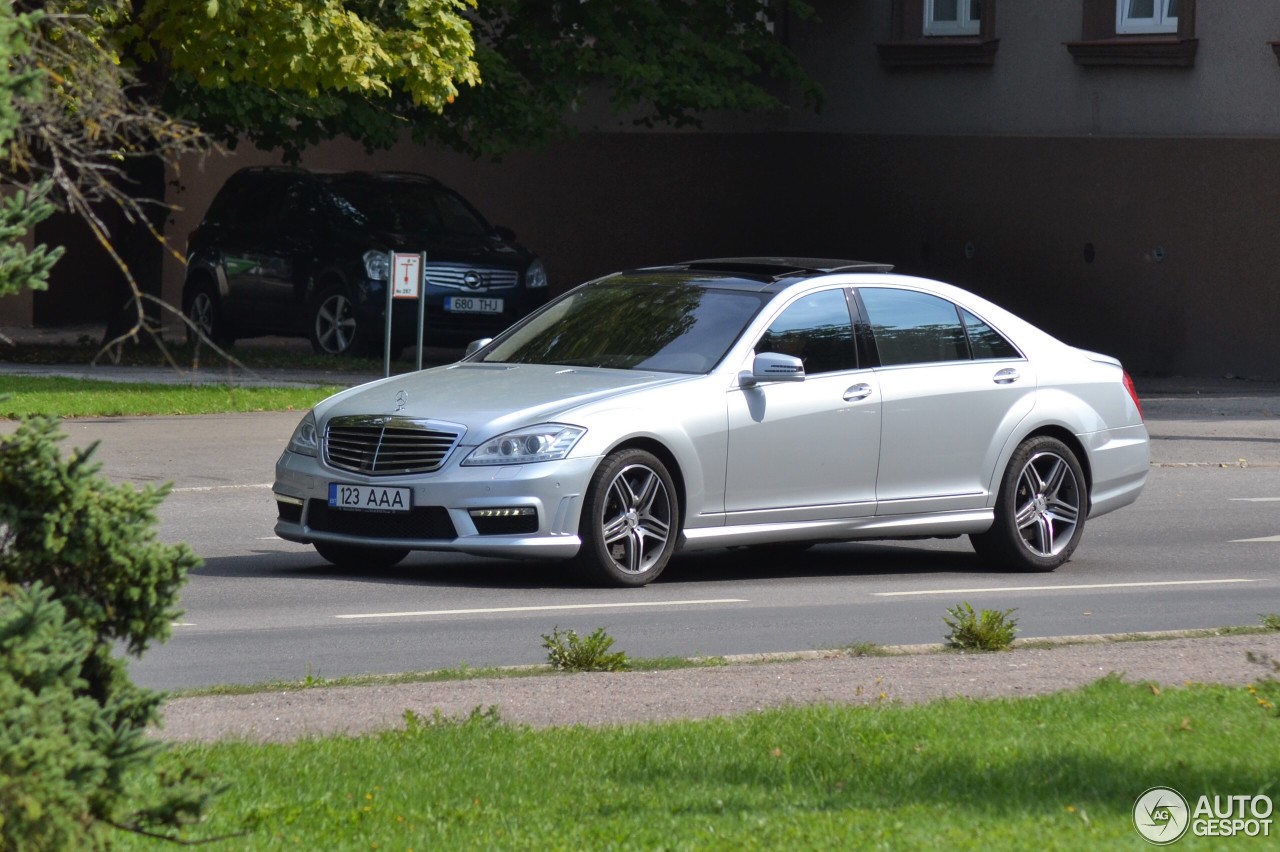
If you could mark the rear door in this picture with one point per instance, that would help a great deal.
(954, 390)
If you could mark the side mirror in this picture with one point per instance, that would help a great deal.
(505, 233)
(772, 367)
(476, 345)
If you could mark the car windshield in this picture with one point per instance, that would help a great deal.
(402, 207)
(632, 325)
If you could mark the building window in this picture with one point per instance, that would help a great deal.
(1137, 32)
(1146, 16)
(940, 32)
(952, 17)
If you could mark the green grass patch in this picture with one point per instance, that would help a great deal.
(1052, 772)
(69, 397)
(254, 357)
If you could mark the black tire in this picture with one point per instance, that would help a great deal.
(356, 558)
(333, 326)
(630, 520)
(205, 319)
(1040, 510)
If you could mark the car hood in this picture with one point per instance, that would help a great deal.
(444, 247)
(489, 399)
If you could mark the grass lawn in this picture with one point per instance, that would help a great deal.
(1053, 772)
(68, 397)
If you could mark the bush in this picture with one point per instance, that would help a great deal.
(84, 572)
(569, 652)
(989, 630)
(53, 738)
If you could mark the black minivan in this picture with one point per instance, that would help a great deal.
(286, 251)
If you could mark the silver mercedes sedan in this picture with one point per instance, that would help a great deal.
(725, 403)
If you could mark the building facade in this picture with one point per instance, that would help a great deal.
(1110, 169)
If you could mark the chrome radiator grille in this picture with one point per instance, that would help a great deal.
(384, 446)
(463, 277)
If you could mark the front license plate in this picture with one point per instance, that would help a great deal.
(472, 305)
(370, 498)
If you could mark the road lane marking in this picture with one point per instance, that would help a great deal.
(548, 608)
(1256, 499)
(1264, 538)
(218, 487)
(1059, 588)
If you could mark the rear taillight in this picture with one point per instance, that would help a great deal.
(1133, 394)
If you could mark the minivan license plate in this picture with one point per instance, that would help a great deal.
(370, 498)
(472, 305)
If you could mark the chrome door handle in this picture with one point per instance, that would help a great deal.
(862, 390)
(1007, 376)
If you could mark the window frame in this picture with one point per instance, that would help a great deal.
(966, 24)
(1103, 44)
(1159, 22)
(909, 46)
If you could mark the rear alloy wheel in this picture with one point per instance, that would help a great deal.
(1041, 509)
(204, 316)
(356, 558)
(334, 329)
(629, 521)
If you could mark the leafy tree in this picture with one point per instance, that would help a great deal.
(658, 61)
(131, 84)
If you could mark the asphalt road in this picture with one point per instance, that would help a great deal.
(1200, 549)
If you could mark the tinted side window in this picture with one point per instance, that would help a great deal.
(249, 201)
(914, 328)
(984, 341)
(817, 330)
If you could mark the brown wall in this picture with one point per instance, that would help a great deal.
(1028, 205)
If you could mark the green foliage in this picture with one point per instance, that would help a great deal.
(989, 630)
(92, 541)
(290, 73)
(659, 63)
(20, 267)
(92, 546)
(1271, 621)
(53, 738)
(482, 78)
(567, 651)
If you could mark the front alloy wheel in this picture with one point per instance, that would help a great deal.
(1041, 508)
(334, 328)
(629, 523)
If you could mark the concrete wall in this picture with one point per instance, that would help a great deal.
(1035, 88)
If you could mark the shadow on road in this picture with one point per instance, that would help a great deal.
(713, 566)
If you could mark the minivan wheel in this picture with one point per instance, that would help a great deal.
(333, 327)
(357, 558)
(630, 520)
(204, 316)
(1040, 510)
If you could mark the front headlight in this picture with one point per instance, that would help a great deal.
(536, 277)
(544, 442)
(306, 437)
(377, 265)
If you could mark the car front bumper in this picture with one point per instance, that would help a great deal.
(483, 511)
